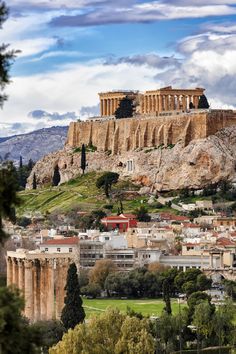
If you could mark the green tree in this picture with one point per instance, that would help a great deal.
(166, 296)
(106, 181)
(83, 158)
(73, 312)
(203, 103)
(16, 336)
(202, 319)
(34, 181)
(92, 290)
(6, 57)
(223, 323)
(8, 196)
(125, 108)
(99, 273)
(142, 214)
(56, 176)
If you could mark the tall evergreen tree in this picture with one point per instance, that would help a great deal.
(8, 197)
(83, 158)
(34, 181)
(6, 56)
(73, 312)
(56, 176)
(203, 103)
(125, 109)
(166, 296)
(30, 165)
(191, 105)
(21, 162)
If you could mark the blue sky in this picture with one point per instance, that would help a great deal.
(73, 49)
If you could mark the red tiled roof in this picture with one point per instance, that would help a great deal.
(224, 241)
(168, 216)
(192, 226)
(62, 241)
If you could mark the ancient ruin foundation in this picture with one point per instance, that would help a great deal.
(41, 279)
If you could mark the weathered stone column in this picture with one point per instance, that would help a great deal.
(36, 289)
(21, 276)
(29, 300)
(160, 103)
(43, 291)
(50, 289)
(177, 102)
(9, 271)
(172, 102)
(195, 101)
(184, 103)
(105, 107)
(15, 272)
(157, 104)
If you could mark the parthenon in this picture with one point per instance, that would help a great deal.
(154, 101)
(41, 279)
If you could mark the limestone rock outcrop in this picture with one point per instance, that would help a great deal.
(201, 162)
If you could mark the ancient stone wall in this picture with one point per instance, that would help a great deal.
(131, 134)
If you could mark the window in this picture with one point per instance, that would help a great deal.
(46, 249)
(58, 249)
(130, 165)
(70, 249)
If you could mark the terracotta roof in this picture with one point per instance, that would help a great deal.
(174, 217)
(192, 226)
(62, 241)
(224, 241)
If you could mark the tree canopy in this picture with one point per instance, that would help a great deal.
(73, 312)
(125, 108)
(203, 102)
(106, 180)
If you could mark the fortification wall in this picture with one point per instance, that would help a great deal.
(130, 134)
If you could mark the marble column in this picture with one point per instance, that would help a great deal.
(103, 107)
(9, 271)
(177, 102)
(36, 289)
(157, 103)
(50, 289)
(21, 276)
(43, 290)
(195, 101)
(15, 272)
(172, 102)
(29, 300)
(184, 102)
(111, 106)
(160, 103)
(164, 102)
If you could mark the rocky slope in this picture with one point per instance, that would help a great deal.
(33, 145)
(202, 162)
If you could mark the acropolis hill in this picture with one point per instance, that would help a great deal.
(162, 117)
(164, 146)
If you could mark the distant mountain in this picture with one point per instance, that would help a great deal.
(33, 145)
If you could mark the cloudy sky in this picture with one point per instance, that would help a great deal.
(73, 49)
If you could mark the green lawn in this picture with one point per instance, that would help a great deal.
(80, 192)
(145, 306)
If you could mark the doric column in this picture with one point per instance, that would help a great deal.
(29, 300)
(9, 271)
(184, 101)
(43, 290)
(177, 102)
(164, 102)
(50, 289)
(157, 103)
(195, 101)
(145, 104)
(105, 107)
(21, 276)
(172, 102)
(160, 103)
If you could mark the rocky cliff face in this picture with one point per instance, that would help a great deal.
(33, 145)
(201, 162)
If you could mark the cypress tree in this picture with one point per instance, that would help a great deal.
(21, 162)
(83, 158)
(166, 296)
(34, 181)
(125, 109)
(56, 176)
(191, 105)
(73, 311)
(203, 103)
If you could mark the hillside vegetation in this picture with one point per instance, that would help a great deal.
(81, 192)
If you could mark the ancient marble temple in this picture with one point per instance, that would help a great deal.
(149, 102)
(41, 279)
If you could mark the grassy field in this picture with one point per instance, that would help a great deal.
(145, 306)
(81, 192)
